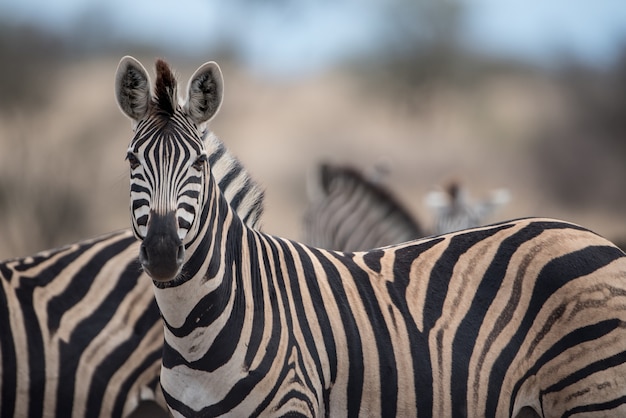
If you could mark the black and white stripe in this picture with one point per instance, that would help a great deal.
(80, 332)
(521, 318)
(349, 212)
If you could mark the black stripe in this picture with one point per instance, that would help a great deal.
(104, 371)
(137, 188)
(125, 388)
(578, 337)
(85, 331)
(32, 326)
(137, 203)
(302, 398)
(467, 331)
(226, 340)
(244, 386)
(187, 208)
(300, 315)
(240, 195)
(322, 318)
(596, 407)
(190, 180)
(183, 223)
(353, 337)
(404, 257)
(596, 331)
(137, 176)
(192, 194)
(387, 372)
(225, 181)
(552, 277)
(82, 280)
(124, 351)
(372, 259)
(9, 360)
(142, 220)
(217, 154)
(257, 277)
(443, 269)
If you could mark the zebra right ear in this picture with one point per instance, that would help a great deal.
(132, 88)
(204, 93)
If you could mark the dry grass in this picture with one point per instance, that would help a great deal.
(63, 174)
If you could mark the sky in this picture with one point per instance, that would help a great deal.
(287, 39)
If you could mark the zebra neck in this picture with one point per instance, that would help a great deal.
(206, 280)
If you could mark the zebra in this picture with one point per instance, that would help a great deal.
(80, 331)
(349, 211)
(519, 318)
(454, 211)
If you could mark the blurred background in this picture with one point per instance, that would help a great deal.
(530, 96)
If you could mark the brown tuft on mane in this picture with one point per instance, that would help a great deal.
(166, 97)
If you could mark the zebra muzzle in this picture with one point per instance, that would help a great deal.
(162, 253)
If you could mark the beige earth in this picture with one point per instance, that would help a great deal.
(64, 176)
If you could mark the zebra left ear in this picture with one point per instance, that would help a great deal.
(132, 88)
(204, 93)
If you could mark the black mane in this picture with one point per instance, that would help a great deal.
(330, 173)
(165, 89)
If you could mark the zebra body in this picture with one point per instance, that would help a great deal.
(80, 331)
(350, 212)
(64, 340)
(522, 317)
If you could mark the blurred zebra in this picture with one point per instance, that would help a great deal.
(350, 211)
(521, 318)
(80, 332)
(454, 210)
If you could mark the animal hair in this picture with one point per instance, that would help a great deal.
(329, 174)
(165, 88)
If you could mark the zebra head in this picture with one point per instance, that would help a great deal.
(167, 157)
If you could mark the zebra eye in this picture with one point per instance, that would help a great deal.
(132, 160)
(199, 162)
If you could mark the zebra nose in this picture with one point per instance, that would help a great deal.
(162, 262)
(162, 253)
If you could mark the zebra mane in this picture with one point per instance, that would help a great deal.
(165, 88)
(330, 174)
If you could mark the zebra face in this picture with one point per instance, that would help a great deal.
(168, 160)
(166, 193)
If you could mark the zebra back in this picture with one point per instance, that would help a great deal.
(349, 212)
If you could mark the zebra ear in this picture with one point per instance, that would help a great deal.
(132, 88)
(204, 93)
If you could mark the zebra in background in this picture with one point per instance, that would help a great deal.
(521, 318)
(349, 211)
(454, 210)
(80, 331)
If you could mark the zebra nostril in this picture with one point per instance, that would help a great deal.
(180, 255)
(143, 254)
